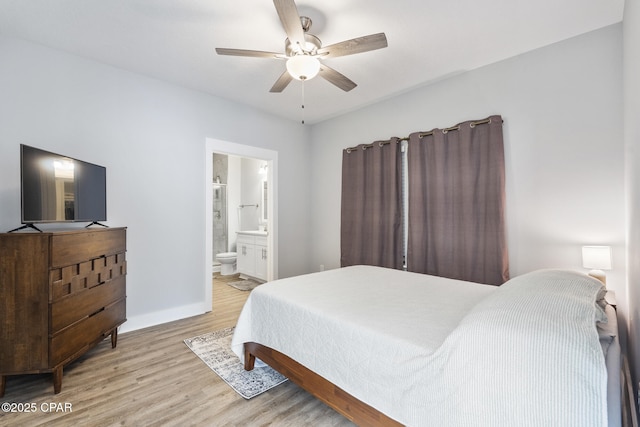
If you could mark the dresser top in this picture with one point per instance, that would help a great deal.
(62, 231)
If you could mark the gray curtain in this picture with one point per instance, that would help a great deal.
(371, 221)
(457, 203)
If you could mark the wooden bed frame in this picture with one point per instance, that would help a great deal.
(347, 405)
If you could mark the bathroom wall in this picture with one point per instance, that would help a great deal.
(234, 199)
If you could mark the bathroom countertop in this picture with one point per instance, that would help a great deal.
(253, 232)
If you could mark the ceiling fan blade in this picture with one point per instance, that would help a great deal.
(251, 53)
(336, 78)
(288, 13)
(357, 45)
(282, 82)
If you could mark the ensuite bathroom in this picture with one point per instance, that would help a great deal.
(240, 216)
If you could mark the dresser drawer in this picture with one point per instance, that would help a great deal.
(76, 307)
(80, 336)
(75, 247)
(71, 279)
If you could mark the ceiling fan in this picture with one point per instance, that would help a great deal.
(303, 50)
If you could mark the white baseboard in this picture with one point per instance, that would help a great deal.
(134, 323)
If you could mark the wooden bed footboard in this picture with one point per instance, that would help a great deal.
(347, 405)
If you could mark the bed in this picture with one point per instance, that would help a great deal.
(387, 347)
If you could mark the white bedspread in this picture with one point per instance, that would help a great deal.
(432, 351)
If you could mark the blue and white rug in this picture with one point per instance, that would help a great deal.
(244, 285)
(214, 349)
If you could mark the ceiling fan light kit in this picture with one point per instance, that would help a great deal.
(303, 50)
(303, 67)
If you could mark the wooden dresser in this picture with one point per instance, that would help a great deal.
(61, 293)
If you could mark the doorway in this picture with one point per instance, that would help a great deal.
(271, 212)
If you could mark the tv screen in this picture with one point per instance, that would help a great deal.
(56, 188)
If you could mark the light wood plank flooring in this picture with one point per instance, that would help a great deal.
(153, 379)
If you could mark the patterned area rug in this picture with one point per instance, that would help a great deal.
(214, 349)
(244, 285)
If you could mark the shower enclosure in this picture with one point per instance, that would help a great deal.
(220, 234)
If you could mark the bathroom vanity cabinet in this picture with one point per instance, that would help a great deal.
(252, 254)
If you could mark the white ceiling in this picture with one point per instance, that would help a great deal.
(174, 40)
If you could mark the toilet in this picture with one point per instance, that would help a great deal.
(227, 262)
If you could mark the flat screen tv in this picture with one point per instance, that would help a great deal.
(56, 188)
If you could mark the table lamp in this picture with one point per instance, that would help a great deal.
(597, 258)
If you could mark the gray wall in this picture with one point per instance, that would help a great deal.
(151, 136)
(632, 142)
(562, 111)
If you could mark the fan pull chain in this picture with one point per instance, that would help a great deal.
(303, 100)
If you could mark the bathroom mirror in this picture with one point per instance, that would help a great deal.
(264, 202)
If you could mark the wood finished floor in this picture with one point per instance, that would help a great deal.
(152, 379)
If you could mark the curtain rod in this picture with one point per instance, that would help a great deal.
(421, 135)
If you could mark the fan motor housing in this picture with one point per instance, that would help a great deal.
(312, 44)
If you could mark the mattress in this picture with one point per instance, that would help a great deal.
(426, 350)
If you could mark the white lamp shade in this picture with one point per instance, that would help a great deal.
(596, 257)
(303, 67)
